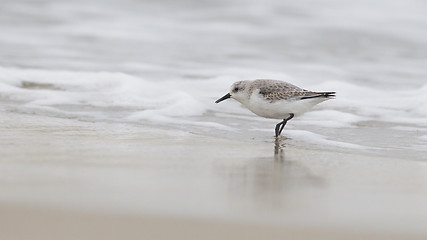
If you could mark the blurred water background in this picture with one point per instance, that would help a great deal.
(163, 63)
(160, 65)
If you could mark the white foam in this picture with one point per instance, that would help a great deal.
(330, 119)
(408, 129)
(318, 139)
(368, 103)
(140, 98)
(166, 101)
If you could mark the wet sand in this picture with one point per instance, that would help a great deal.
(71, 178)
(23, 222)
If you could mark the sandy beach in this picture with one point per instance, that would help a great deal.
(64, 177)
(23, 222)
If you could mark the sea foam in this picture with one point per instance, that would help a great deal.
(95, 90)
(131, 98)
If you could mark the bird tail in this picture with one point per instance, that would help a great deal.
(329, 95)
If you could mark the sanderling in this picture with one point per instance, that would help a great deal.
(275, 99)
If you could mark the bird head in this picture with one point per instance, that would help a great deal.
(239, 91)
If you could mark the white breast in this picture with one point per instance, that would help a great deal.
(279, 109)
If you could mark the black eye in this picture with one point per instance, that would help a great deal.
(236, 89)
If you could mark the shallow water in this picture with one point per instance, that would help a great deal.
(123, 169)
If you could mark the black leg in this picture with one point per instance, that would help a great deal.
(283, 123)
(277, 128)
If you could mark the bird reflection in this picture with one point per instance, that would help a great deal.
(270, 181)
(279, 154)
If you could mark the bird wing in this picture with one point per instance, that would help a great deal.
(273, 90)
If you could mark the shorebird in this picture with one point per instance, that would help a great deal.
(275, 99)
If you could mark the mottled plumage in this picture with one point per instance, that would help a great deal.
(275, 99)
(274, 90)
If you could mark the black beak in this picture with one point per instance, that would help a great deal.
(223, 98)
